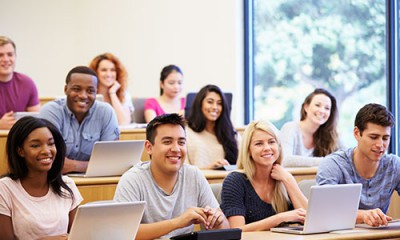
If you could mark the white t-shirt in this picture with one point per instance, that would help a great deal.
(36, 217)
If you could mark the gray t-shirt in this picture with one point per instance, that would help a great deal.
(338, 168)
(191, 190)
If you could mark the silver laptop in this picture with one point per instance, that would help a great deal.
(19, 115)
(330, 208)
(112, 158)
(107, 220)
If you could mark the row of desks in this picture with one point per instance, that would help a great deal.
(103, 188)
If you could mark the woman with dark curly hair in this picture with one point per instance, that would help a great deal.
(211, 139)
(315, 136)
(36, 201)
(113, 85)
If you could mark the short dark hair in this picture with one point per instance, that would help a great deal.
(373, 113)
(80, 69)
(172, 118)
(17, 164)
(167, 70)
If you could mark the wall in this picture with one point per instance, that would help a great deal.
(204, 38)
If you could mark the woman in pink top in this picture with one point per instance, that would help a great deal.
(36, 201)
(169, 101)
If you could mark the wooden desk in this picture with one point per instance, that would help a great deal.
(103, 188)
(3, 155)
(357, 234)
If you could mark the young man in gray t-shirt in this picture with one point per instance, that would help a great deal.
(368, 164)
(177, 194)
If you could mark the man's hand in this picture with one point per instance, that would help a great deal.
(374, 217)
(191, 216)
(7, 120)
(215, 217)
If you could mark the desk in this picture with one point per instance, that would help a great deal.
(362, 234)
(103, 188)
(3, 155)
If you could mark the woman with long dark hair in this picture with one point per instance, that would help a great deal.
(211, 139)
(36, 201)
(315, 136)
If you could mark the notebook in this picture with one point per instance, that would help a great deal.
(330, 208)
(112, 158)
(107, 220)
(217, 234)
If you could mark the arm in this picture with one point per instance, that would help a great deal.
(110, 131)
(280, 174)
(158, 229)
(123, 113)
(74, 166)
(269, 222)
(149, 114)
(150, 106)
(7, 121)
(6, 228)
(71, 217)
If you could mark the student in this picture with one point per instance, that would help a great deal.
(212, 140)
(177, 194)
(18, 92)
(81, 120)
(367, 163)
(315, 136)
(113, 85)
(36, 201)
(169, 101)
(264, 194)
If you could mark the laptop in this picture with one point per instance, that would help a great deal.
(112, 158)
(330, 208)
(107, 220)
(19, 115)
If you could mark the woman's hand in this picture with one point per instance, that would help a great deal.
(217, 164)
(114, 88)
(279, 173)
(296, 215)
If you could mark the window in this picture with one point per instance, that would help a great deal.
(294, 46)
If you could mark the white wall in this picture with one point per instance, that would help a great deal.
(204, 38)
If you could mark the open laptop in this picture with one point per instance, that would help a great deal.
(107, 220)
(112, 158)
(330, 208)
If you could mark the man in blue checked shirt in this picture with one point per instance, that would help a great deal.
(368, 164)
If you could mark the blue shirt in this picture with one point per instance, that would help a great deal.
(240, 199)
(100, 124)
(338, 168)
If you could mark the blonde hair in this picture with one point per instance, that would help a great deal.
(280, 200)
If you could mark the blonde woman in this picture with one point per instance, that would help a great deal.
(264, 195)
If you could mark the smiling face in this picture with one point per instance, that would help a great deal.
(107, 73)
(263, 149)
(319, 109)
(372, 142)
(81, 94)
(169, 149)
(39, 150)
(211, 106)
(7, 61)
(172, 85)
